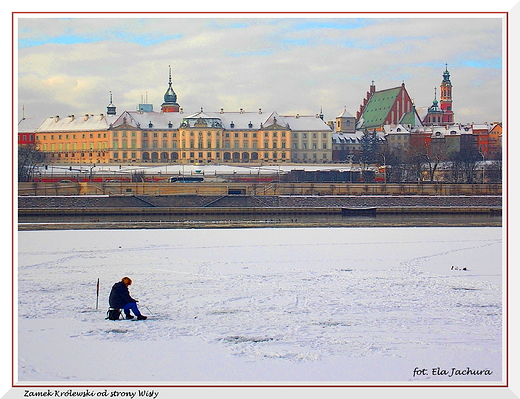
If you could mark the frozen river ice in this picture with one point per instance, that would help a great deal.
(329, 306)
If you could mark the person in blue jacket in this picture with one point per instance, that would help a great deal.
(120, 299)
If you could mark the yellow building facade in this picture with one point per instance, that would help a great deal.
(75, 140)
(174, 136)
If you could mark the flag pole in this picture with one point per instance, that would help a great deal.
(97, 294)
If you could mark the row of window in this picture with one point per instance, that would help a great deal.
(79, 155)
(72, 136)
(200, 155)
(74, 146)
(209, 145)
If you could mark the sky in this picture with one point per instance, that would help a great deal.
(288, 63)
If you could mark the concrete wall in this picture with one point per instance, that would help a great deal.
(122, 188)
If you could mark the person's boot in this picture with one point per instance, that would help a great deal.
(141, 317)
(129, 317)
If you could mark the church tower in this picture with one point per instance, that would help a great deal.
(170, 98)
(435, 114)
(446, 102)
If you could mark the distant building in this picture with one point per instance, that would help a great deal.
(175, 136)
(214, 137)
(385, 107)
(26, 131)
(441, 112)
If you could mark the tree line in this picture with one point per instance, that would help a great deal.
(418, 163)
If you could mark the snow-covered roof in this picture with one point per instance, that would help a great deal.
(352, 138)
(159, 120)
(229, 120)
(70, 123)
(305, 122)
(399, 129)
(28, 125)
(481, 127)
(345, 114)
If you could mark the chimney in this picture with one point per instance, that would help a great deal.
(241, 110)
(57, 118)
(221, 110)
(259, 110)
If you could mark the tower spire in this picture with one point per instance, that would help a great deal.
(170, 98)
(111, 108)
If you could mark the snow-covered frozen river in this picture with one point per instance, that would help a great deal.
(240, 306)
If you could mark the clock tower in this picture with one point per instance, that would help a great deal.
(446, 102)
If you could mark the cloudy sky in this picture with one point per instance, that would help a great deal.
(289, 63)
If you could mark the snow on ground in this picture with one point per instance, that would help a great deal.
(253, 306)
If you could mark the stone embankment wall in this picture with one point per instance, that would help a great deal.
(126, 188)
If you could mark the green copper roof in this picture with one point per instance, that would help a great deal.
(378, 107)
(408, 118)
